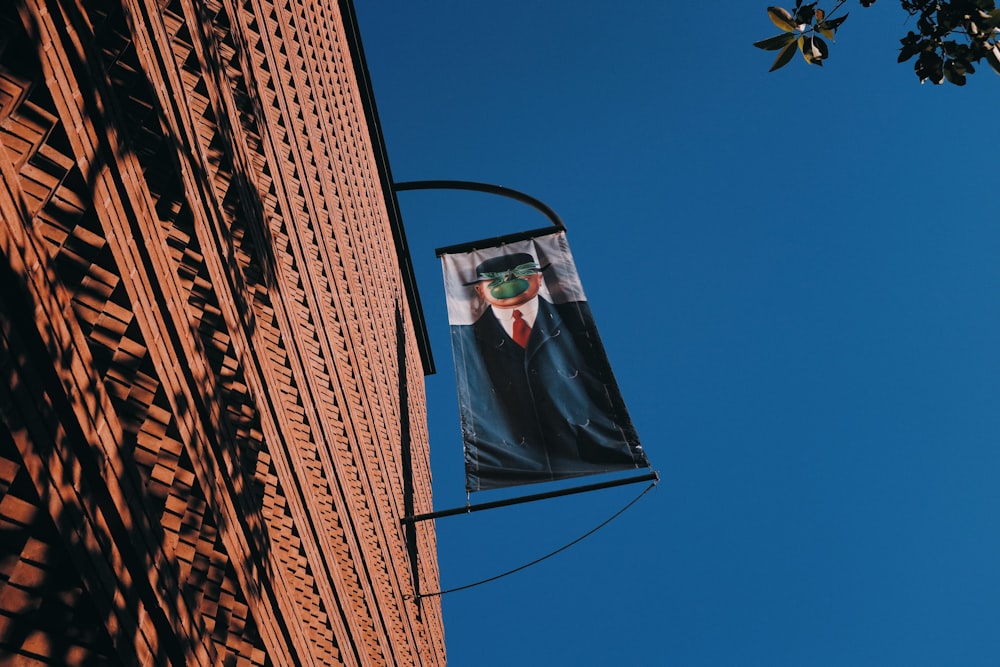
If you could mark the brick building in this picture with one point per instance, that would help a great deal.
(211, 411)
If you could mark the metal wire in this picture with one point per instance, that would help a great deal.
(549, 555)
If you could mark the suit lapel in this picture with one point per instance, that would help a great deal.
(548, 325)
(492, 335)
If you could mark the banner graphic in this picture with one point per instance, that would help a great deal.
(537, 398)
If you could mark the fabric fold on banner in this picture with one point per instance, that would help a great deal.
(537, 397)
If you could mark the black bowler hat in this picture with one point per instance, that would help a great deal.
(495, 267)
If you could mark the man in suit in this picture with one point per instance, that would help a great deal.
(538, 398)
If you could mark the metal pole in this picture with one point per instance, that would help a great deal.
(483, 187)
(650, 476)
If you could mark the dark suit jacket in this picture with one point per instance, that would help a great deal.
(549, 411)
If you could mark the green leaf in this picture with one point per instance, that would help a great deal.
(829, 28)
(907, 52)
(954, 72)
(776, 42)
(781, 18)
(993, 57)
(824, 50)
(813, 49)
(804, 15)
(835, 23)
(929, 67)
(784, 57)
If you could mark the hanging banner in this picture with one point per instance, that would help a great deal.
(537, 397)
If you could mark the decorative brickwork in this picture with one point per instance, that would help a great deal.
(212, 408)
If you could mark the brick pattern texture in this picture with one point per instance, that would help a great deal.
(211, 412)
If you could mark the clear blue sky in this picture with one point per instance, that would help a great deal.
(796, 277)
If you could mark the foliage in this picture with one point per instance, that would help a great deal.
(951, 36)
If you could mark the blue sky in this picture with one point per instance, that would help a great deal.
(795, 276)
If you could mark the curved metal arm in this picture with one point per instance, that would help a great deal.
(483, 187)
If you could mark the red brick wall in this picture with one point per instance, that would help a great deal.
(207, 344)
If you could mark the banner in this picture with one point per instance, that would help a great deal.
(537, 398)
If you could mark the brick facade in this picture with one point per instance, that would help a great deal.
(211, 346)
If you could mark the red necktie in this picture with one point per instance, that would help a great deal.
(521, 329)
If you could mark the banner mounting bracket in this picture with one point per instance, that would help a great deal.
(651, 476)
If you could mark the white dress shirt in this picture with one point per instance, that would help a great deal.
(505, 316)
